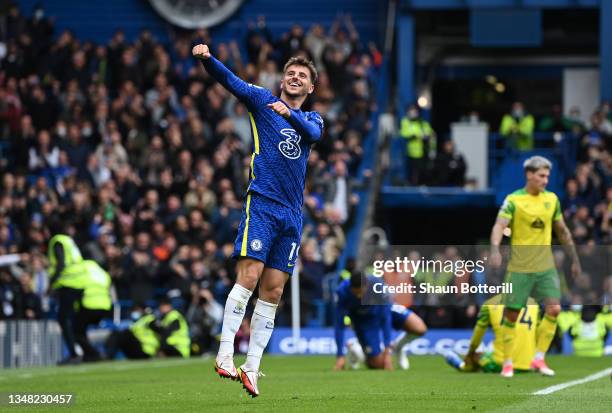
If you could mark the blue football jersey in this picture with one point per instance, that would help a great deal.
(363, 317)
(281, 146)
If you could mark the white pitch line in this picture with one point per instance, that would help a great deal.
(561, 386)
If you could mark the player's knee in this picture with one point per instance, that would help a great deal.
(249, 272)
(415, 325)
(511, 315)
(553, 310)
(420, 330)
(375, 362)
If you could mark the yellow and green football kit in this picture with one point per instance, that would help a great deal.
(531, 269)
(491, 315)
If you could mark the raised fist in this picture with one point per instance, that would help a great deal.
(200, 51)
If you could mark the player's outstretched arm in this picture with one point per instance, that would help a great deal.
(247, 93)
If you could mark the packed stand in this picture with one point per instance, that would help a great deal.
(145, 158)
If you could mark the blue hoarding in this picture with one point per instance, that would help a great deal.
(321, 341)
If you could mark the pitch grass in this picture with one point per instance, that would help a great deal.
(308, 384)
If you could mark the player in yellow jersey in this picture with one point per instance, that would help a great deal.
(531, 214)
(491, 315)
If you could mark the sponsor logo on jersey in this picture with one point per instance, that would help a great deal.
(538, 224)
(290, 147)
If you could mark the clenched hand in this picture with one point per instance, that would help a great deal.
(200, 51)
(280, 108)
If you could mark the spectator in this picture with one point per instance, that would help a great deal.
(555, 121)
(111, 153)
(31, 306)
(140, 269)
(339, 195)
(450, 166)
(574, 121)
(420, 145)
(571, 200)
(44, 155)
(10, 295)
(204, 317)
(517, 128)
(315, 42)
(173, 331)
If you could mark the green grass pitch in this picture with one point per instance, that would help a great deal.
(308, 384)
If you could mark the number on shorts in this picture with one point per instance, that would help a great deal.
(294, 249)
(525, 320)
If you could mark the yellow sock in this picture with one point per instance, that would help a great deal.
(545, 333)
(508, 333)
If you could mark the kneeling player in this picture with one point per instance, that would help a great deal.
(371, 323)
(368, 322)
(404, 320)
(491, 315)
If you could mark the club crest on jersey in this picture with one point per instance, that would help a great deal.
(290, 147)
(256, 245)
(547, 205)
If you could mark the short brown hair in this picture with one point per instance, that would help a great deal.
(302, 61)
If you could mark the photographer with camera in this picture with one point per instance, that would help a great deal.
(204, 317)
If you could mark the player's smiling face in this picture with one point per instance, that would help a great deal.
(297, 81)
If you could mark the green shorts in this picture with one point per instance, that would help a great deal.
(488, 365)
(539, 285)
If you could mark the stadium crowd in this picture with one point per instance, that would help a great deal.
(143, 159)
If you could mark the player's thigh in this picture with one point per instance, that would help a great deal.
(404, 319)
(547, 287)
(521, 286)
(257, 228)
(286, 245)
(399, 315)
